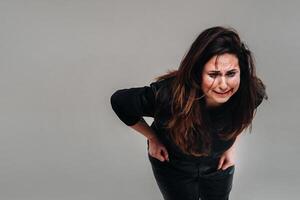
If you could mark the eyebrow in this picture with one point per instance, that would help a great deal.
(216, 71)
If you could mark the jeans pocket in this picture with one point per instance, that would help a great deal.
(220, 173)
(153, 159)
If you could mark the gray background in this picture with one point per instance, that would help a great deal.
(62, 60)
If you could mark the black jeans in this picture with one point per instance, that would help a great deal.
(188, 180)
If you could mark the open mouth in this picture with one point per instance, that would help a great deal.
(223, 94)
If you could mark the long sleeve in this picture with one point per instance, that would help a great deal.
(130, 105)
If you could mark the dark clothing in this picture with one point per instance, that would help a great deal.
(132, 104)
(185, 177)
(185, 180)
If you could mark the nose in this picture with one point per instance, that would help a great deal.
(223, 84)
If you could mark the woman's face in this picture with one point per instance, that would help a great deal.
(220, 79)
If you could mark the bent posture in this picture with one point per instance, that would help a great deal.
(199, 112)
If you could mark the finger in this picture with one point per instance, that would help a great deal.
(221, 161)
(157, 156)
(166, 155)
(160, 157)
(226, 165)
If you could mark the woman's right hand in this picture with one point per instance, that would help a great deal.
(158, 150)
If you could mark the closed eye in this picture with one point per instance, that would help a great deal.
(231, 74)
(213, 75)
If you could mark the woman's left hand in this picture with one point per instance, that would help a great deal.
(227, 159)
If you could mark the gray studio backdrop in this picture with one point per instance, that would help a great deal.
(62, 60)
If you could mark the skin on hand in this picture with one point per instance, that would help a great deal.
(227, 159)
(158, 150)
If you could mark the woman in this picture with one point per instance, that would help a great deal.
(199, 112)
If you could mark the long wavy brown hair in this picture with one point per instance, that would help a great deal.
(188, 123)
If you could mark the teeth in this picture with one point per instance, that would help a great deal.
(222, 93)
